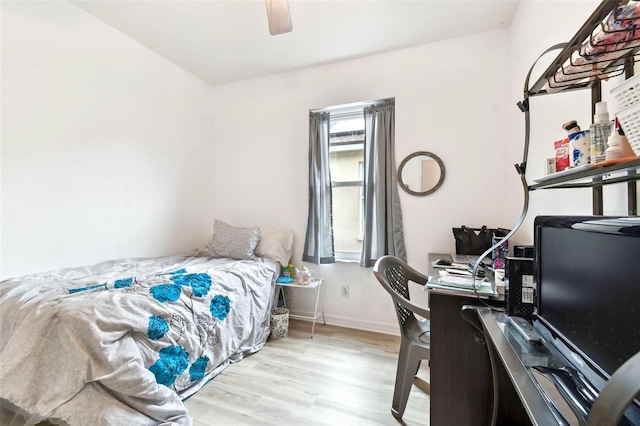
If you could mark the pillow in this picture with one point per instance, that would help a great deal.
(276, 244)
(230, 241)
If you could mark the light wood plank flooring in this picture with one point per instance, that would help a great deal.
(339, 377)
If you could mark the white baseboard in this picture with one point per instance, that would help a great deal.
(355, 323)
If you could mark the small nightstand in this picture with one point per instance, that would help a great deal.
(317, 287)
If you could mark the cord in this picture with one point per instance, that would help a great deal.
(521, 169)
(494, 378)
(474, 272)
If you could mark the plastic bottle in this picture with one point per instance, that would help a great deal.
(293, 270)
(614, 143)
(286, 272)
(625, 146)
(600, 131)
(579, 145)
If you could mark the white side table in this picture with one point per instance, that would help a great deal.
(317, 287)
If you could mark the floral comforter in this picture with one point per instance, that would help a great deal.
(123, 342)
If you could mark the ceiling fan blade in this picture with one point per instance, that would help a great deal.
(279, 16)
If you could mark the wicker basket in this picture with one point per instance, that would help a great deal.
(279, 323)
(627, 93)
(629, 119)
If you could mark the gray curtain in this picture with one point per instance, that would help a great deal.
(318, 244)
(383, 233)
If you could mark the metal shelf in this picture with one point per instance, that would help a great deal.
(606, 45)
(316, 285)
(576, 69)
(617, 173)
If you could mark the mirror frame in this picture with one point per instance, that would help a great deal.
(417, 154)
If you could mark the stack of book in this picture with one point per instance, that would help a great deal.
(460, 279)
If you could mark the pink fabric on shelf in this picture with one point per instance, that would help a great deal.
(613, 39)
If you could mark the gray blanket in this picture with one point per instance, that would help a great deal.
(124, 342)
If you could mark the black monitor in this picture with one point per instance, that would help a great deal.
(587, 270)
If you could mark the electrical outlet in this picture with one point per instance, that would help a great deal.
(344, 290)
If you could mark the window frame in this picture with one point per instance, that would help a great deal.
(340, 255)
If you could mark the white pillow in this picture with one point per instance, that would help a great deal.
(276, 244)
(234, 242)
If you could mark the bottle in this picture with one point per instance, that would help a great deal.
(579, 145)
(625, 146)
(614, 144)
(600, 131)
(293, 270)
(286, 272)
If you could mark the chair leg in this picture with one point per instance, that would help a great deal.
(408, 365)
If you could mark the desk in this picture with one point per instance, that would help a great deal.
(475, 355)
(317, 286)
(514, 357)
(460, 378)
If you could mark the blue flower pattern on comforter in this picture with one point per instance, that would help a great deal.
(173, 360)
(187, 324)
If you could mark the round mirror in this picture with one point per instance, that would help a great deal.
(421, 173)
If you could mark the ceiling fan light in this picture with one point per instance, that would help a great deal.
(279, 16)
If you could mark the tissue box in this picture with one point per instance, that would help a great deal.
(562, 154)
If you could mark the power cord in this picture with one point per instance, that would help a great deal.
(521, 169)
(476, 265)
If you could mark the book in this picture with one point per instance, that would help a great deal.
(484, 288)
(464, 281)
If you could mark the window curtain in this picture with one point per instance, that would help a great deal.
(383, 232)
(318, 244)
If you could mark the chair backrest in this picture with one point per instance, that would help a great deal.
(395, 275)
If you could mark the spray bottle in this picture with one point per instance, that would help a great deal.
(599, 132)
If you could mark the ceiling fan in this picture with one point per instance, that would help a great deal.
(279, 16)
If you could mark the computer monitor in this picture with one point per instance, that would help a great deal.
(587, 270)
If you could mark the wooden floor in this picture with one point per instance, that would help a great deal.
(339, 377)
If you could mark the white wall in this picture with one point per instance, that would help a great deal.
(105, 145)
(111, 151)
(528, 39)
(450, 99)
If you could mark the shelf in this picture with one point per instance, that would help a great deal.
(295, 283)
(623, 172)
(596, 52)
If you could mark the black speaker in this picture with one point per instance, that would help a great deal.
(520, 296)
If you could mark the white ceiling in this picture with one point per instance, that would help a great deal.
(223, 41)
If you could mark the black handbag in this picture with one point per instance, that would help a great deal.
(476, 240)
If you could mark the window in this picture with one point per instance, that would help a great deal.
(354, 206)
(346, 163)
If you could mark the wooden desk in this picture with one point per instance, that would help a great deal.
(461, 380)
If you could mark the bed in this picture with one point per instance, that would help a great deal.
(126, 341)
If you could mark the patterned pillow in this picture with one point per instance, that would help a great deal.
(230, 241)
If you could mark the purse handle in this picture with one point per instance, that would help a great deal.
(466, 229)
